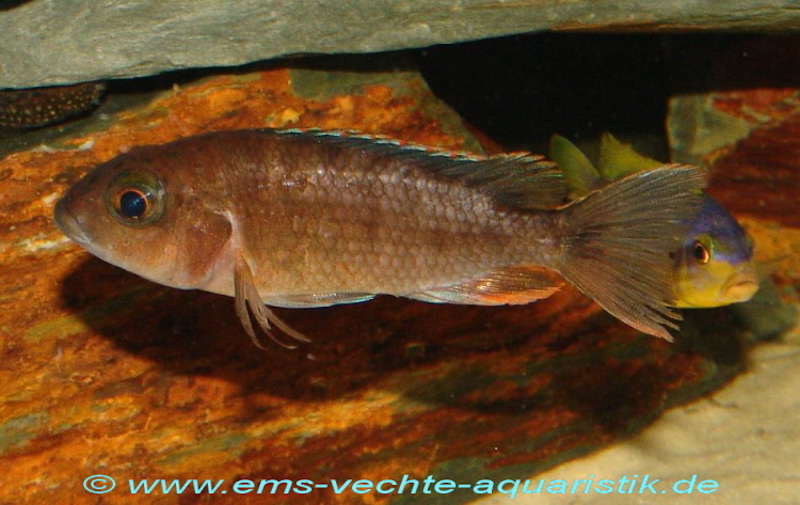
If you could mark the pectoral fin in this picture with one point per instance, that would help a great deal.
(247, 296)
(516, 285)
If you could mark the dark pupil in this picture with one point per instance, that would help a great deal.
(700, 253)
(132, 204)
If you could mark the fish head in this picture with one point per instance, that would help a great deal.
(143, 212)
(714, 266)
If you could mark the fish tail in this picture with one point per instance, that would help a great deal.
(617, 242)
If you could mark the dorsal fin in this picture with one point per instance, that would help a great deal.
(521, 180)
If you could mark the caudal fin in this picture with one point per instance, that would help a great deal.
(618, 240)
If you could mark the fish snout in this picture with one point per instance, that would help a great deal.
(69, 224)
(741, 285)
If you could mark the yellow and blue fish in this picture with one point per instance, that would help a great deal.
(713, 264)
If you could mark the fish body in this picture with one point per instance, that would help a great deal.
(294, 218)
(713, 264)
(31, 108)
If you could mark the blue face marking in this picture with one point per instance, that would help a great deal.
(713, 220)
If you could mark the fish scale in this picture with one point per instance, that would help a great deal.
(339, 210)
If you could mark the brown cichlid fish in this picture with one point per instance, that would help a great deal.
(306, 218)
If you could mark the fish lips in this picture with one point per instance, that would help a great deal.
(69, 224)
(742, 285)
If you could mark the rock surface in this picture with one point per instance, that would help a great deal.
(50, 42)
(745, 438)
(745, 129)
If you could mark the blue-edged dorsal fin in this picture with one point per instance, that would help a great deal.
(521, 180)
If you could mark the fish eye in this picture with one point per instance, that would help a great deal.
(136, 199)
(700, 252)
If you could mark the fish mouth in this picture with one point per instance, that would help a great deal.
(69, 224)
(741, 286)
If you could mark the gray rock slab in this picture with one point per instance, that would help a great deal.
(45, 42)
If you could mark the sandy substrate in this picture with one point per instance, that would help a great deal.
(745, 438)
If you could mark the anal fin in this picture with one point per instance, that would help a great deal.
(247, 296)
(516, 285)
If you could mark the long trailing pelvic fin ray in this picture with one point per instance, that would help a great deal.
(616, 244)
(246, 295)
